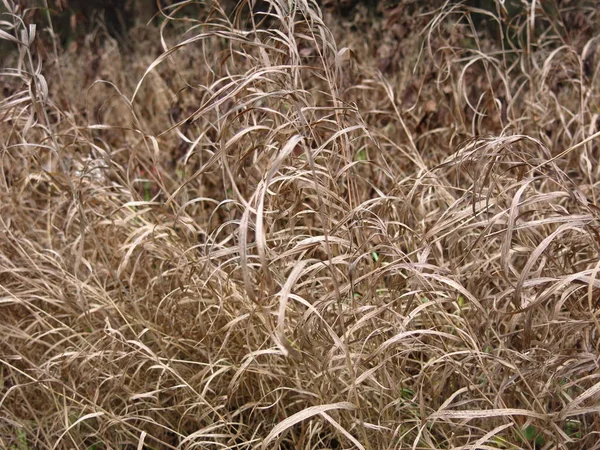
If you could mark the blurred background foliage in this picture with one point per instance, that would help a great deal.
(72, 20)
(71, 24)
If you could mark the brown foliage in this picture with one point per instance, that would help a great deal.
(273, 229)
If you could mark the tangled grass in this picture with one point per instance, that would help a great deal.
(280, 229)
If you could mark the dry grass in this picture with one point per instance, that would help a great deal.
(306, 233)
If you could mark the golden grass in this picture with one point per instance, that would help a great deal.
(296, 231)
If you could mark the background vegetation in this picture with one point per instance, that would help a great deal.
(300, 225)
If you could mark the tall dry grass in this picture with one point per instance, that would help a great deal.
(285, 230)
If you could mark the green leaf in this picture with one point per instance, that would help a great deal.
(572, 428)
(407, 393)
(532, 435)
(147, 196)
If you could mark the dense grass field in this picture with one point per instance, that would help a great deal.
(301, 226)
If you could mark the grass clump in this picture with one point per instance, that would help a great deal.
(270, 228)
